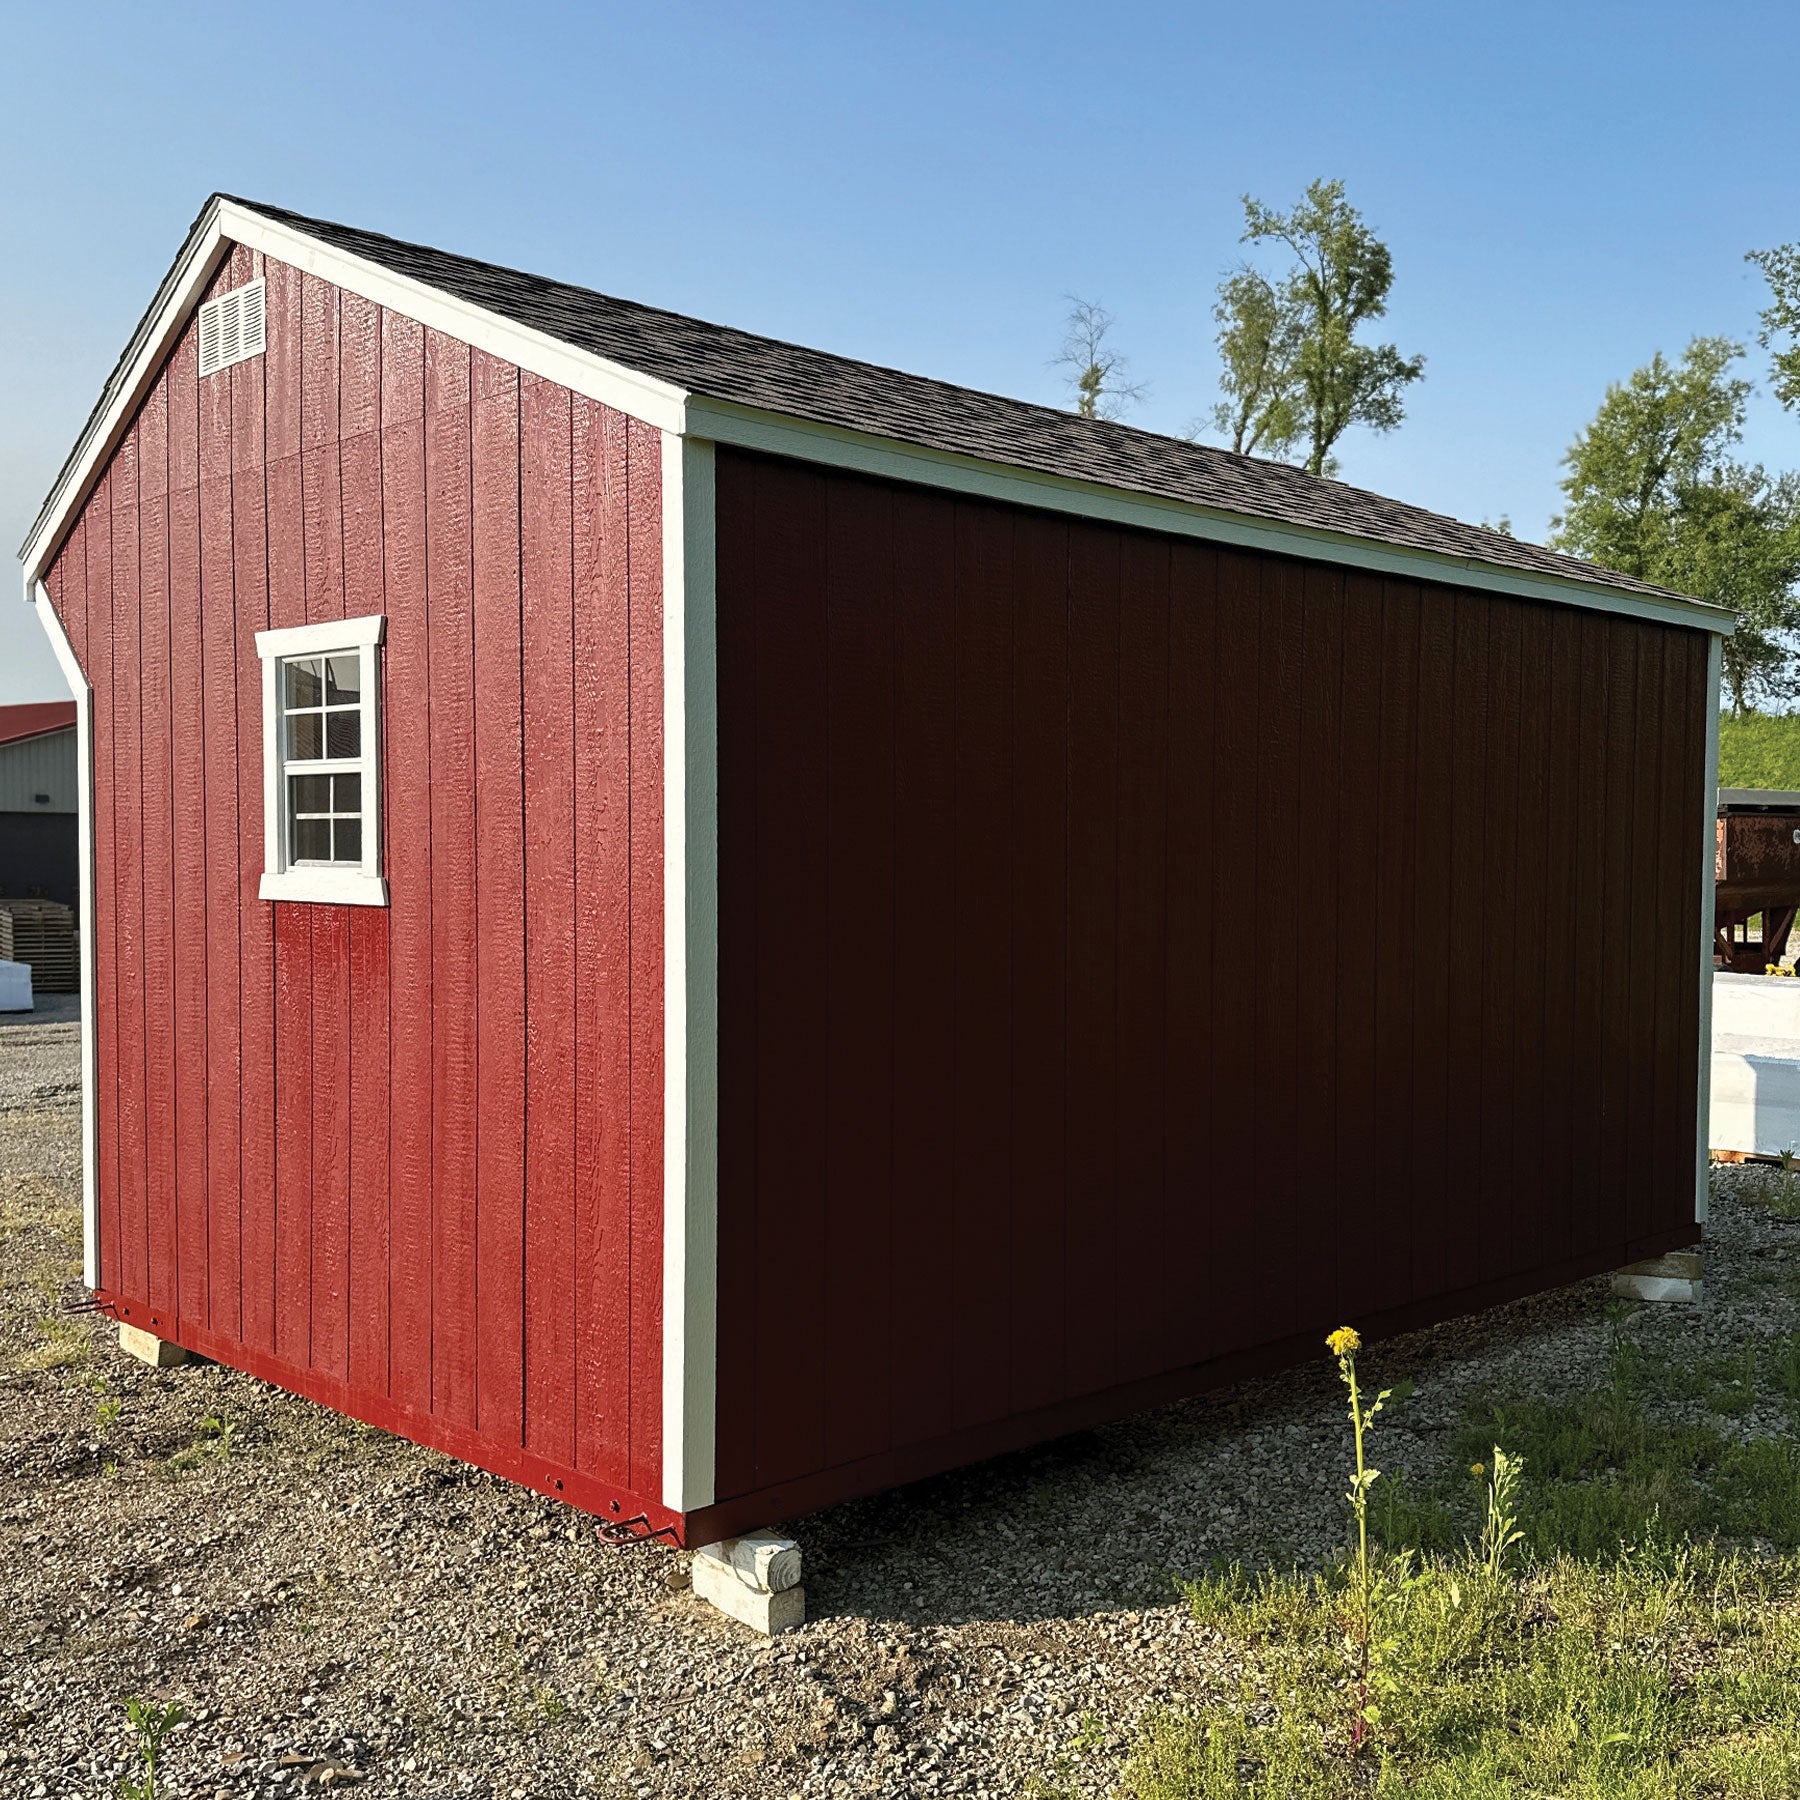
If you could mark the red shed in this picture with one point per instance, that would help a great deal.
(713, 928)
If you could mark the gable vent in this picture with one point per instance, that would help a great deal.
(231, 328)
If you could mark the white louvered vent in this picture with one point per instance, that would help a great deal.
(231, 328)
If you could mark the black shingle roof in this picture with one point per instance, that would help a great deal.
(721, 363)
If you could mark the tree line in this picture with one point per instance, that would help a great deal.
(1295, 375)
(1651, 486)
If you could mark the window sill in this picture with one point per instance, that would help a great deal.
(325, 887)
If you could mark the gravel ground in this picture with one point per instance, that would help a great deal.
(335, 1607)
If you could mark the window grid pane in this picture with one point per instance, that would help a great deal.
(321, 705)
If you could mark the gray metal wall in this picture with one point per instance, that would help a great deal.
(39, 765)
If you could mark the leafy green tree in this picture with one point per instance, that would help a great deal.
(1653, 437)
(1260, 335)
(1652, 493)
(1781, 318)
(1293, 361)
(1097, 378)
(1738, 542)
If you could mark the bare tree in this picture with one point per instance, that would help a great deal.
(1096, 377)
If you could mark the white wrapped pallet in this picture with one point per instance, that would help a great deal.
(15, 987)
(1755, 1064)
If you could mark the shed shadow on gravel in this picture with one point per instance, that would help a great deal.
(1109, 1521)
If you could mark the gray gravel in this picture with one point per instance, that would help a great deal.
(337, 1608)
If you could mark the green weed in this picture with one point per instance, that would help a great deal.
(1733, 1381)
(149, 1726)
(64, 1344)
(217, 1434)
(1404, 1515)
(1360, 1626)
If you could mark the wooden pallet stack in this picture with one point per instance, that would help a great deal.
(42, 933)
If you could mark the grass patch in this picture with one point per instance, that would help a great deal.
(1646, 1679)
(62, 1344)
(1635, 1635)
(1760, 750)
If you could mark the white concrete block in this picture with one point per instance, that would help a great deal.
(760, 1558)
(771, 1614)
(1674, 1277)
(147, 1347)
(755, 1579)
(1653, 1287)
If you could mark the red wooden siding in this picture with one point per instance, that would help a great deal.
(407, 1160)
(1138, 957)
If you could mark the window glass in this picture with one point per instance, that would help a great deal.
(302, 687)
(306, 737)
(343, 734)
(322, 698)
(310, 793)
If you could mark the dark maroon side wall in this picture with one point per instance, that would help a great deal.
(1137, 958)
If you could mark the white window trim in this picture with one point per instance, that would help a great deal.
(342, 885)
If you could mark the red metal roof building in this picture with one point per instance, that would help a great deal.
(39, 805)
(745, 927)
(32, 718)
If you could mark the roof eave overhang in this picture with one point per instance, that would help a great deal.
(671, 408)
(781, 434)
(31, 737)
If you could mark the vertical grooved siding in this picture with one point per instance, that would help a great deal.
(1136, 955)
(407, 1160)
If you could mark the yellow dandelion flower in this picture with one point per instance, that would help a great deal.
(1343, 1342)
(1477, 1468)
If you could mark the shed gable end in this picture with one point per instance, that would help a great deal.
(403, 1159)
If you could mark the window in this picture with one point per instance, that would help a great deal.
(231, 328)
(321, 763)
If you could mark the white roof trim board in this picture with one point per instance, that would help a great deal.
(1397, 540)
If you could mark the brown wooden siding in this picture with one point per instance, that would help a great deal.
(406, 1159)
(1135, 955)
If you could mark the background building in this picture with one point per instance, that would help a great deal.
(38, 804)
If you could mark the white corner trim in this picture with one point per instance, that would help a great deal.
(780, 434)
(690, 976)
(84, 780)
(1709, 812)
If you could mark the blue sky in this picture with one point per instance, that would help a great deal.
(1565, 189)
